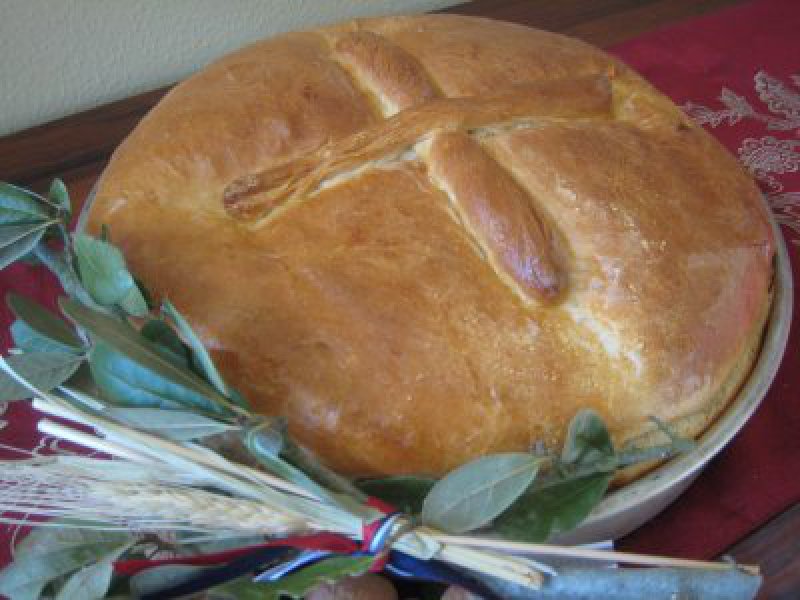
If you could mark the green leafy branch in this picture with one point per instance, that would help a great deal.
(144, 366)
(524, 496)
(70, 562)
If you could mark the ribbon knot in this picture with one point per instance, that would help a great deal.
(377, 539)
(378, 536)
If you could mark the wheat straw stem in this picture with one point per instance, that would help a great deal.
(228, 475)
(150, 455)
(54, 405)
(163, 505)
(157, 449)
(421, 543)
(147, 447)
(223, 472)
(51, 490)
(216, 460)
(505, 567)
(589, 554)
(49, 427)
(318, 516)
(105, 427)
(62, 525)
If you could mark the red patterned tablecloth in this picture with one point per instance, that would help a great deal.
(738, 73)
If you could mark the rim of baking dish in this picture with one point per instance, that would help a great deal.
(637, 502)
(683, 469)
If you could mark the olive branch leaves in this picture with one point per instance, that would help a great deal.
(144, 366)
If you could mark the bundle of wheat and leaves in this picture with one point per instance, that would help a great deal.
(181, 491)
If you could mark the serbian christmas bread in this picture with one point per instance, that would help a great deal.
(424, 239)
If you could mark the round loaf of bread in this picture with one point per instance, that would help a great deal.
(424, 239)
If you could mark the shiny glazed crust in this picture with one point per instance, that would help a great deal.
(423, 239)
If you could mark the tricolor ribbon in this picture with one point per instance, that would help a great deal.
(270, 561)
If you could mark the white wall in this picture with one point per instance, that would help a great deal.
(58, 57)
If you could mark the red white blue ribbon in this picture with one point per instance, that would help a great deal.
(260, 561)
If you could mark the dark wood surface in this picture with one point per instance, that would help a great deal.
(775, 546)
(77, 147)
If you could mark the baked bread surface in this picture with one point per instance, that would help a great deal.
(423, 239)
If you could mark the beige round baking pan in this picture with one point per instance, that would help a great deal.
(630, 506)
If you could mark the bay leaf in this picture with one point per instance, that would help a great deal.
(92, 581)
(128, 382)
(59, 196)
(134, 302)
(50, 552)
(173, 424)
(297, 585)
(243, 588)
(31, 591)
(102, 270)
(185, 387)
(588, 441)
(477, 492)
(43, 370)
(38, 329)
(199, 352)
(151, 581)
(29, 340)
(18, 205)
(167, 341)
(13, 217)
(16, 250)
(13, 233)
(60, 265)
(554, 508)
(265, 444)
(406, 492)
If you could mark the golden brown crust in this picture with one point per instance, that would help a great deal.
(400, 332)
(498, 213)
(256, 195)
(387, 71)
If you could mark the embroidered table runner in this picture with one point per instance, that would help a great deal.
(737, 73)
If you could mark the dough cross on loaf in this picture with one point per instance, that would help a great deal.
(499, 216)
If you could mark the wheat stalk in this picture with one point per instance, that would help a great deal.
(150, 487)
(150, 450)
(54, 489)
(217, 471)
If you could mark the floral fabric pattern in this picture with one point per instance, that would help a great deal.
(768, 157)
